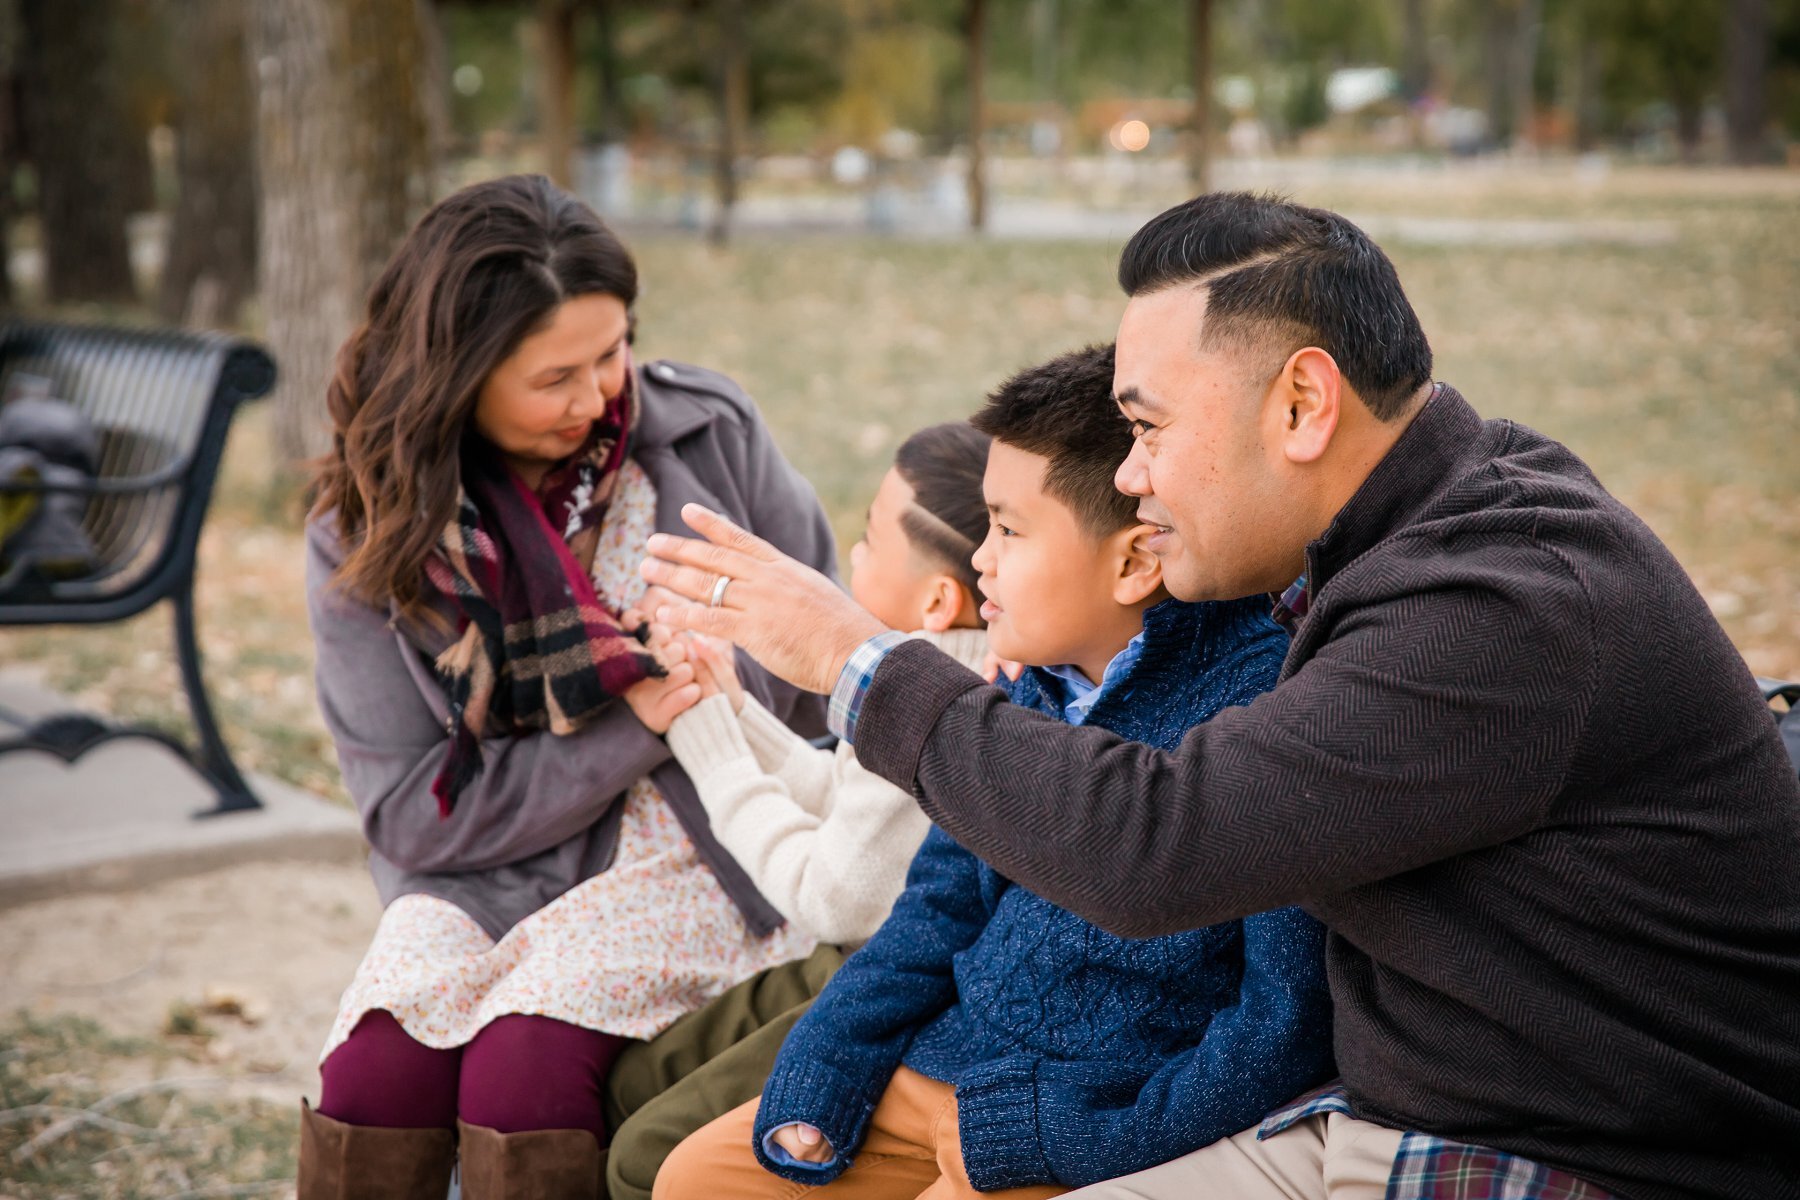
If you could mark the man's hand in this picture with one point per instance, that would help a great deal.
(804, 1143)
(784, 614)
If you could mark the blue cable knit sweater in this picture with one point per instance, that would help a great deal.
(1077, 1056)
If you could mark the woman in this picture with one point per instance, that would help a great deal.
(552, 887)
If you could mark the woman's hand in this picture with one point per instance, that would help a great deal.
(804, 1143)
(715, 669)
(657, 702)
(792, 620)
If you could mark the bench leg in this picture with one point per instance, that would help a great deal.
(213, 758)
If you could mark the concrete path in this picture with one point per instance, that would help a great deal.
(121, 816)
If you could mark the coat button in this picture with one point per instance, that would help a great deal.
(664, 371)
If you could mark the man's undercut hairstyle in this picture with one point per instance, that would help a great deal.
(1063, 411)
(1279, 276)
(947, 519)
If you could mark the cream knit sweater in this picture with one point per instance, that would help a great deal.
(826, 841)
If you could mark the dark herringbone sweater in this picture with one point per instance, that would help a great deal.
(1514, 766)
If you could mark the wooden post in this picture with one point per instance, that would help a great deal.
(1200, 144)
(977, 38)
(556, 89)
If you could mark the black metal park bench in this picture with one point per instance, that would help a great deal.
(162, 403)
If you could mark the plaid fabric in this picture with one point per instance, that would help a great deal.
(1291, 605)
(853, 683)
(540, 648)
(1427, 1167)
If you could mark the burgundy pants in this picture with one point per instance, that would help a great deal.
(519, 1073)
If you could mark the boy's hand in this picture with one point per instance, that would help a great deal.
(715, 667)
(804, 1143)
(994, 666)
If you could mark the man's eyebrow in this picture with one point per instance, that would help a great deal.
(1138, 399)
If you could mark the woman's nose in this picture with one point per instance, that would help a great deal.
(590, 400)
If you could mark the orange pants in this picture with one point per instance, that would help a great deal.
(911, 1152)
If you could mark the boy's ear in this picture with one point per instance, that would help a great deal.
(944, 605)
(1138, 575)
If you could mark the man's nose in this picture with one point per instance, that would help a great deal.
(1133, 475)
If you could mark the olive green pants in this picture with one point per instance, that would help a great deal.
(702, 1067)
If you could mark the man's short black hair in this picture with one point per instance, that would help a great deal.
(1063, 411)
(1279, 272)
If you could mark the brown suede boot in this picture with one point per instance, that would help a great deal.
(544, 1164)
(361, 1162)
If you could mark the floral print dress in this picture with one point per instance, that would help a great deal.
(627, 952)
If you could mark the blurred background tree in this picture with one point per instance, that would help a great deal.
(252, 162)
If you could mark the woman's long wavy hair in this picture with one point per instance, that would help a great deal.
(477, 274)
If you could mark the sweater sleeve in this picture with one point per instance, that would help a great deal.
(838, 1059)
(1029, 1120)
(802, 766)
(1376, 757)
(535, 791)
(828, 847)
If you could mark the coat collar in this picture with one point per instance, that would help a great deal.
(669, 411)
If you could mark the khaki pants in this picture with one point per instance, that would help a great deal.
(911, 1152)
(1325, 1157)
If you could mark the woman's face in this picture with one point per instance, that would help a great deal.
(538, 405)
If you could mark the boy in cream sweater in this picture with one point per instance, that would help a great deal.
(827, 842)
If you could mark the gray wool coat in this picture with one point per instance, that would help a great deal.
(544, 813)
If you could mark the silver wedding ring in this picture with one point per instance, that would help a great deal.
(718, 592)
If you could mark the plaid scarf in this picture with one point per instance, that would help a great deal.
(540, 648)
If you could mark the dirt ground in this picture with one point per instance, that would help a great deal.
(281, 940)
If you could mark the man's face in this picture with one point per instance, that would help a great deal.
(1203, 462)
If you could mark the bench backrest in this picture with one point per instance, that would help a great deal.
(162, 403)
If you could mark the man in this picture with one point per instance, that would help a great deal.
(1513, 764)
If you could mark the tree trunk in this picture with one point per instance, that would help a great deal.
(12, 144)
(1200, 31)
(612, 96)
(977, 66)
(1498, 44)
(556, 89)
(1415, 68)
(76, 126)
(309, 273)
(1527, 32)
(734, 110)
(210, 268)
(1747, 80)
(345, 155)
(390, 142)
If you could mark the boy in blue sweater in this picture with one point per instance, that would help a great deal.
(985, 1040)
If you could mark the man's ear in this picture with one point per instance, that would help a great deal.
(944, 604)
(1308, 391)
(1139, 572)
